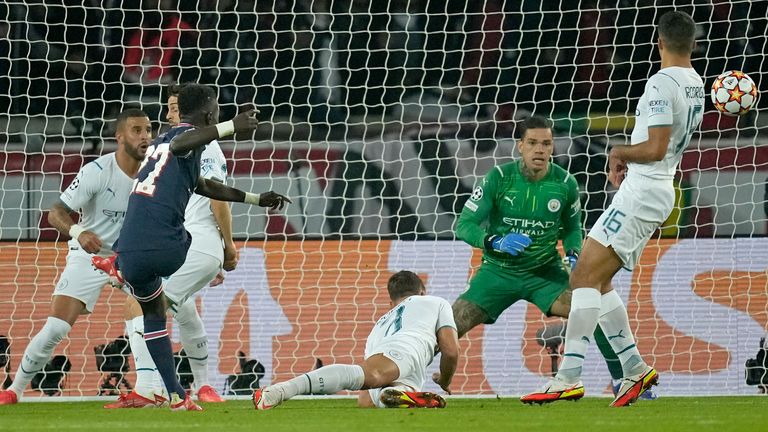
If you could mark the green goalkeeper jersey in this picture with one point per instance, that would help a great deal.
(506, 201)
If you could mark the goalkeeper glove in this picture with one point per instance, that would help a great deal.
(511, 243)
(570, 260)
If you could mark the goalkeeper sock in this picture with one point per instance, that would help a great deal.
(615, 323)
(39, 351)
(326, 380)
(193, 340)
(582, 321)
(611, 359)
(148, 381)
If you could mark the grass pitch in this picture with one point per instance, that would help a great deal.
(718, 414)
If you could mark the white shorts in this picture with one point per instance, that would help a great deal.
(197, 272)
(80, 280)
(412, 370)
(638, 209)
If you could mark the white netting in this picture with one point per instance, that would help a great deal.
(378, 117)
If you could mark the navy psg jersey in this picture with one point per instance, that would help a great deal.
(154, 219)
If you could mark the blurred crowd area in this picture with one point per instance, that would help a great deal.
(326, 61)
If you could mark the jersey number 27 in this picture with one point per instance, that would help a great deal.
(160, 155)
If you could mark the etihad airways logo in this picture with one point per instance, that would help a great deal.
(528, 223)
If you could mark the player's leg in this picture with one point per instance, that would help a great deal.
(562, 306)
(149, 390)
(196, 273)
(141, 271)
(76, 293)
(597, 265)
(325, 380)
(64, 313)
(491, 291)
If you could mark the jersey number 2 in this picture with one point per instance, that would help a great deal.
(147, 186)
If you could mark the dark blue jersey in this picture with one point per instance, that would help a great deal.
(154, 219)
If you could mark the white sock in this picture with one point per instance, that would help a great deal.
(128, 327)
(582, 321)
(194, 340)
(326, 380)
(148, 380)
(39, 351)
(615, 324)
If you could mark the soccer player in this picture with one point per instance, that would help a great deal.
(667, 114)
(400, 347)
(516, 216)
(153, 242)
(209, 222)
(100, 193)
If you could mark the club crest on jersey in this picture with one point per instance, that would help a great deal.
(553, 205)
(477, 194)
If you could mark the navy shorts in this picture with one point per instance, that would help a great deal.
(143, 270)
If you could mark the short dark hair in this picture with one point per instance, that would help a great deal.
(175, 89)
(195, 97)
(678, 31)
(126, 114)
(535, 122)
(403, 284)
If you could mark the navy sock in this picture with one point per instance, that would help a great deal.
(159, 346)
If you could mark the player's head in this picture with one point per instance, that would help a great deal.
(404, 284)
(133, 131)
(536, 143)
(173, 104)
(677, 33)
(198, 105)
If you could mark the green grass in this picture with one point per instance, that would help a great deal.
(718, 414)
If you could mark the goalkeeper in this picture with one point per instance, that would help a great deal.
(516, 215)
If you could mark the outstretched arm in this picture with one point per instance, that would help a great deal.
(243, 122)
(221, 192)
(448, 344)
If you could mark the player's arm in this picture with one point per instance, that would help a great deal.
(652, 150)
(59, 216)
(448, 344)
(243, 122)
(218, 191)
(223, 215)
(572, 233)
(474, 215)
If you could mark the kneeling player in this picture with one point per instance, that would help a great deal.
(400, 347)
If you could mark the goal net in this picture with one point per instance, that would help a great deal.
(378, 118)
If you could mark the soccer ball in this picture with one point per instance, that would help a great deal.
(734, 93)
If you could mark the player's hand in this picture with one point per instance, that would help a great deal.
(617, 169)
(512, 243)
(246, 121)
(570, 260)
(231, 257)
(217, 280)
(438, 379)
(273, 200)
(90, 242)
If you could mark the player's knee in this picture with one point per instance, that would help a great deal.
(55, 330)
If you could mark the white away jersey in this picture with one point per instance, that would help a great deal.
(674, 96)
(198, 217)
(414, 324)
(100, 193)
